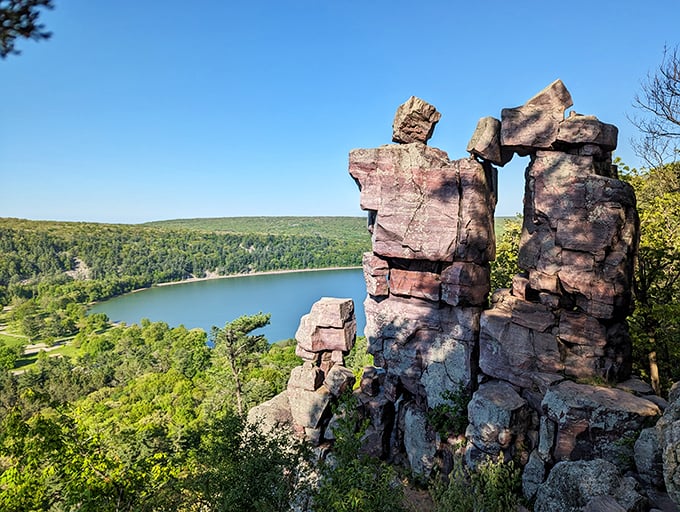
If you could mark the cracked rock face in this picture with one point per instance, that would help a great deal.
(429, 324)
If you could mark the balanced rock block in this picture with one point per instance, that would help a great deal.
(486, 142)
(414, 121)
(535, 124)
(329, 326)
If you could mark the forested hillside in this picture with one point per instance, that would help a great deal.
(132, 256)
(340, 228)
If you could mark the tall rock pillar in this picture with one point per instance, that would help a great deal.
(427, 276)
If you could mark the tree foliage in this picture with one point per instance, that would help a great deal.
(131, 424)
(238, 348)
(19, 19)
(655, 324)
(505, 266)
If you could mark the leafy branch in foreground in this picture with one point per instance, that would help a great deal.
(19, 18)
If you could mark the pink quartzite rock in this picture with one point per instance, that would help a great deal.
(313, 338)
(497, 416)
(535, 124)
(376, 272)
(424, 285)
(308, 407)
(465, 284)
(414, 121)
(339, 379)
(581, 130)
(476, 235)
(330, 326)
(486, 142)
(516, 353)
(607, 415)
(415, 191)
(307, 377)
(332, 312)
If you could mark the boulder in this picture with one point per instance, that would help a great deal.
(329, 326)
(581, 130)
(308, 377)
(535, 124)
(498, 417)
(595, 422)
(414, 121)
(486, 142)
(339, 379)
(272, 415)
(332, 312)
(571, 486)
(308, 407)
(648, 457)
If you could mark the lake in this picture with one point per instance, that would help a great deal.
(287, 296)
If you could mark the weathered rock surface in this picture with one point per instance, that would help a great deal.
(486, 142)
(669, 436)
(414, 122)
(272, 415)
(330, 326)
(648, 457)
(428, 279)
(592, 421)
(499, 418)
(324, 336)
(536, 123)
(573, 485)
(416, 191)
(419, 441)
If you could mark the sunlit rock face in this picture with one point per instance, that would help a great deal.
(431, 324)
(427, 276)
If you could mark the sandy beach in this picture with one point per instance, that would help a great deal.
(212, 275)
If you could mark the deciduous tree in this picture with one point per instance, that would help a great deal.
(659, 105)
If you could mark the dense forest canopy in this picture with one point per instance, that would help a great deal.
(131, 256)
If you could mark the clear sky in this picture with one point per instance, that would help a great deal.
(140, 110)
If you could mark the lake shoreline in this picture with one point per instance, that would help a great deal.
(262, 273)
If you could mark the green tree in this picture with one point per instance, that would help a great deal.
(505, 267)
(19, 19)
(237, 347)
(655, 324)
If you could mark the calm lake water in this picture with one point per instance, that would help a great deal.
(215, 302)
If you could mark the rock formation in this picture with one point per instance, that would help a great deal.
(529, 359)
(545, 364)
(324, 337)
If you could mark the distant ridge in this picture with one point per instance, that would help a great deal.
(340, 228)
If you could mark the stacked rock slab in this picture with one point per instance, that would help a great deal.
(427, 276)
(564, 317)
(562, 323)
(324, 337)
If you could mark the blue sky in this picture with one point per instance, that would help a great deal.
(145, 110)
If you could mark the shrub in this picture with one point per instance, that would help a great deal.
(494, 487)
